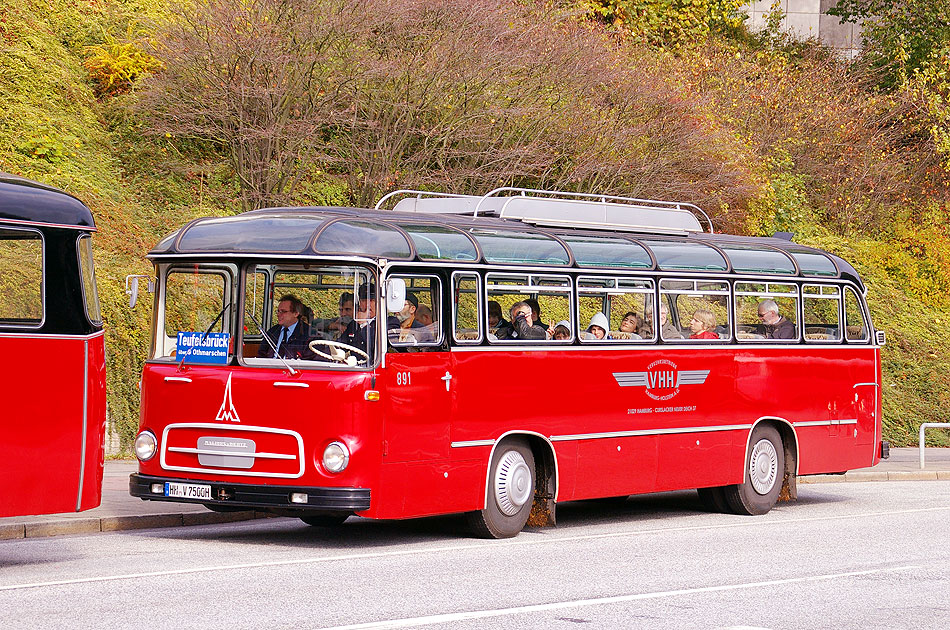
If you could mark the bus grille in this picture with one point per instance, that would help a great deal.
(232, 450)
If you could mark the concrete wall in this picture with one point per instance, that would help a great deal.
(806, 18)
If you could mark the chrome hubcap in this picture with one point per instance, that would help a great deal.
(512, 483)
(763, 467)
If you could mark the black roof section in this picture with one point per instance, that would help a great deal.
(25, 201)
(488, 238)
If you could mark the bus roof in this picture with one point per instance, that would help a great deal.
(25, 201)
(455, 237)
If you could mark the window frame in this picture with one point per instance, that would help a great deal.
(868, 332)
(480, 309)
(728, 292)
(533, 289)
(229, 271)
(821, 296)
(617, 290)
(440, 337)
(92, 276)
(9, 325)
(768, 295)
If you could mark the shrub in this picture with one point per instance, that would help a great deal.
(114, 67)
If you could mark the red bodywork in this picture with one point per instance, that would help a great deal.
(424, 447)
(49, 464)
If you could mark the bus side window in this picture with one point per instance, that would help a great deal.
(21, 278)
(626, 303)
(756, 316)
(419, 319)
(552, 294)
(466, 298)
(856, 327)
(821, 306)
(706, 301)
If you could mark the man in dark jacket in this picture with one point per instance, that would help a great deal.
(522, 324)
(290, 335)
(776, 326)
(361, 332)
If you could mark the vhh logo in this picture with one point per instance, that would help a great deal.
(662, 379)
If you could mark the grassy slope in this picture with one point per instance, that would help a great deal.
(54, 130)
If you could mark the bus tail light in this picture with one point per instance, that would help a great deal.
(146, 445)
(335, 457)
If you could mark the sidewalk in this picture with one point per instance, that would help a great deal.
(121, 511)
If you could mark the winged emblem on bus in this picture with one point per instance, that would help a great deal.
(227, 412)
(662, 379)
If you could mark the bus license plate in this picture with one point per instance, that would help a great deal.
(187, 490)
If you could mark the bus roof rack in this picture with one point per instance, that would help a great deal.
(554, 208)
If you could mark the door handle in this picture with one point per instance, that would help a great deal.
(447, 379)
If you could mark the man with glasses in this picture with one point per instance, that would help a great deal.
(290, 336)
(776, 326)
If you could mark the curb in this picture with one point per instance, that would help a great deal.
(893, 475)
(61, 527)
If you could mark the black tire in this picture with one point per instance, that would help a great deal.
(510, 492)
(714, 499)
(324, 520)
(763, 476)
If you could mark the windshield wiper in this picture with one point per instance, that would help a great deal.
(271, 344)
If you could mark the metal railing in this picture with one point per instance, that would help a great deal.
(929, 425)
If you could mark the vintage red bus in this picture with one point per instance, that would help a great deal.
(53, 423)
(667, 358)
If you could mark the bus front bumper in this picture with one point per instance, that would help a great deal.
(226, 495)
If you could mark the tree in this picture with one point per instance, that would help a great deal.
(255, 79)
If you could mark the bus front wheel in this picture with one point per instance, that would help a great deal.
(764, 472)
(510, 492)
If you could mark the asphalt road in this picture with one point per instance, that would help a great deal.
(854, 555)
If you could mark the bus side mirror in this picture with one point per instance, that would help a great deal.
(132, 287)
(395, 294)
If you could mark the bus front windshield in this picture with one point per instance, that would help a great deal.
(309, 316)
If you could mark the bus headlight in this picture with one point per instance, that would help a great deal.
(145, 446)
(335, 457)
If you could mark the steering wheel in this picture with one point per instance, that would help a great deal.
(338, 351)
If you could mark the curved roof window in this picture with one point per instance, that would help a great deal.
(363, 237)
(676, 255)
(279, 233)
(814, 263)
(508, 246)
(436, 242)
(752, 259)
(593, 251)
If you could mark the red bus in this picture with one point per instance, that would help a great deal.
(52, 429)
(495, 356)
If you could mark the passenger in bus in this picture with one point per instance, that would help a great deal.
(630, 326)
(776, 326)
(536, 312)
(667, 329)
(560, 331)
(522, 324)
(702, 325)
(495, 320)
(598, 327)
(410, 329)
(361, 333)
(291, 335)
(332, 328)
(424, 315)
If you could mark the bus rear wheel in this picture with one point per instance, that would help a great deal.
(763, 476)
(714, 499)
(510, 492)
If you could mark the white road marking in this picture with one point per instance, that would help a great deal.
(600, 601)
(523, 540)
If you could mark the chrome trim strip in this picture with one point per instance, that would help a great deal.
(205, 451)
(643, 432)
(178, 379)
(826, 423)
(467, 443)
(232, 473)
(68, 226)
(53, 336)
(85, 422)
(290, 384)
(857, 385)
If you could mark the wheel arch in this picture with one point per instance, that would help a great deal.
(545, 459)
(786, 430)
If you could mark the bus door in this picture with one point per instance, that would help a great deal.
(417, 395)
